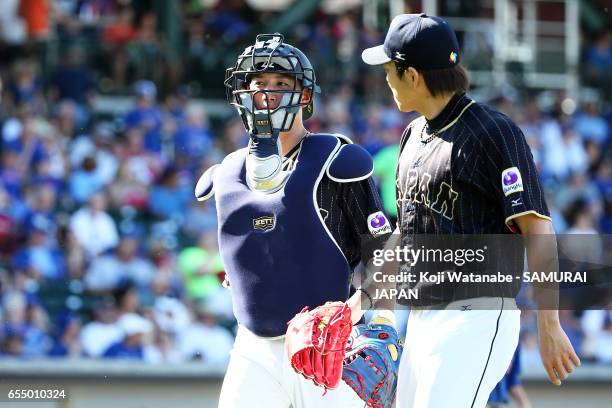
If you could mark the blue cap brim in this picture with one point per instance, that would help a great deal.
(375, 55)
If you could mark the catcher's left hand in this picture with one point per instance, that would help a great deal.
(371, 363)
(316, 341)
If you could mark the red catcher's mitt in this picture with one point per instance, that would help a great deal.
(316, 342)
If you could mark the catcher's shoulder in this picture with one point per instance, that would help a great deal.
(204, 188)
(350, 162)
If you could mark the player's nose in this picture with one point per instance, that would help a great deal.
(270, 97)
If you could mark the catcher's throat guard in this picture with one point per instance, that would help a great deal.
(269, 54)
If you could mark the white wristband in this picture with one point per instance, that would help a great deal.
(384, 316)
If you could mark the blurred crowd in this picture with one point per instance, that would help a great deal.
(104, 251)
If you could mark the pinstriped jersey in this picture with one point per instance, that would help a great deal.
(467, 171)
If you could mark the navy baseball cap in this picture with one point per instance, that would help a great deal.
(416, 40)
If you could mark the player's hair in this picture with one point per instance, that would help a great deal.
(443, 81)
(446, 81)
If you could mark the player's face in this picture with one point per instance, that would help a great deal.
(270, 82)
(401, 88)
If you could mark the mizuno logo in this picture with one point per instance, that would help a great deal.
(400, 56)
(265, 223)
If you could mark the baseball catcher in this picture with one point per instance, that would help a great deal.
(292, 208)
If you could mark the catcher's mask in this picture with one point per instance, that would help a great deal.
(269, 54)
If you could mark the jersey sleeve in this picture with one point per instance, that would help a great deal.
(510, 173)
(363, 207)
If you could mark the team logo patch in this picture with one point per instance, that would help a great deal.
(511, 181)
(265, 223)
(378, 224)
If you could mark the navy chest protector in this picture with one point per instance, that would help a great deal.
(276, 249)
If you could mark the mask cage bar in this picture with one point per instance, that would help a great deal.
(277, 39)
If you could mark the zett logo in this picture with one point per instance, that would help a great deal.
(265, 223)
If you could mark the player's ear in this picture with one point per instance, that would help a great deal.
(413, 77)
(306, 96)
